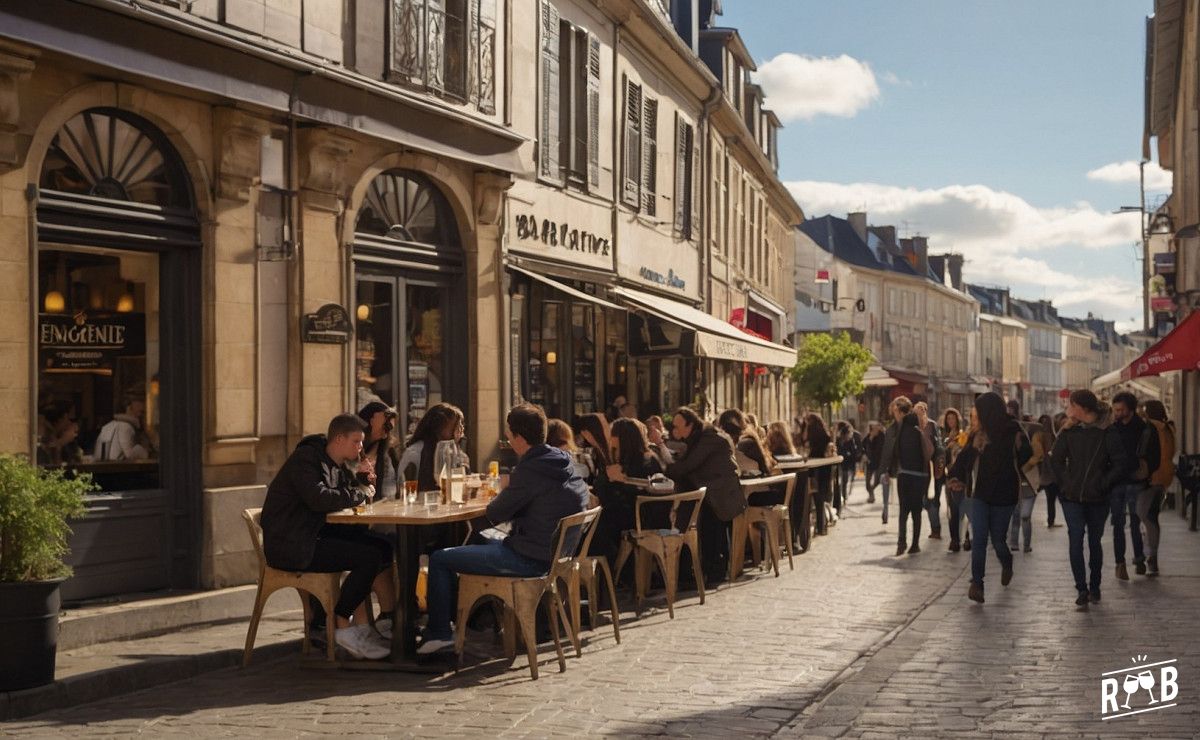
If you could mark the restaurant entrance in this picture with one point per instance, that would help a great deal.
(118, 265)
(410, 298)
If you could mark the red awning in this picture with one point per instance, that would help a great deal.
(1179, 350)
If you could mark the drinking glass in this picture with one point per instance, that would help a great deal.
(432, 498)
(1146, 680)
(410, 492)
(1130, 685)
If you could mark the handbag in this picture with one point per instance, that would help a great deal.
(1021, 474)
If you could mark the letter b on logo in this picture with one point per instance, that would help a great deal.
(1169, 682)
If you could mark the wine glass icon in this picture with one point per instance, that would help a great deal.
(1130, 685)
(1146, 680)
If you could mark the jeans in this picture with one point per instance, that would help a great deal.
(954, 502)
(933, 506)
(364, 553)
(911, 490)
(1124, 499)
(492, 559)
(1051, 490)
(1090, 517)
(847, 482)
(1148, 505)
(886, 483)
(871, 478)
(988, 521)
(1021, 520)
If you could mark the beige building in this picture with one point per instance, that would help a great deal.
(229, 222)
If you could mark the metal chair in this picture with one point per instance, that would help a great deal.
(664, 547)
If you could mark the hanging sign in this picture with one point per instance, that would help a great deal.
(89, 340)
(329, 325)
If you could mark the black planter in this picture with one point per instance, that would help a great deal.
(28, 633)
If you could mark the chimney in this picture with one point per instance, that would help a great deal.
(858, 222)
(920, 247)
(954, 265)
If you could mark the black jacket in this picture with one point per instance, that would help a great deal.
(1088, 461)
(850, 448)
(1141, 446)
(910, 447)
(308, 486)
(542, 489)
(996, 481)
(709, 462)
(889, 461)
(874, 449)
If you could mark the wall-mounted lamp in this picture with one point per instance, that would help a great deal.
(363, 312)
(54, 302)
(551, 358)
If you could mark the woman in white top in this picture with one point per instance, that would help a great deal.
(442, 422)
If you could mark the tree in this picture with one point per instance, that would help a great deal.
(829, 368)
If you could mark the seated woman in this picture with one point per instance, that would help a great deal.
(619, 499)
(441, 423)
(593, 437)
(753, 459)
(559, 434)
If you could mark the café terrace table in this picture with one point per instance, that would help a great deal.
(802, 497)
(406, 518)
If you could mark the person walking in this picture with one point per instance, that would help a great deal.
(1049, 433)
(817, 442)
(987, 469)
(850, 447)
(1030, 480)
(954, 435)
(873, 454)
(1142, 449)
(912, 452)
(1089, 459)
(888, 462)
(932, 502)
(1150, 501)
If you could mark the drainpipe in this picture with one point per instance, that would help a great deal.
(31, 199)
(704, 176)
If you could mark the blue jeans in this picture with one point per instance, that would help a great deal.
(955, 501)
(1090, 517)
(933, 506)
(492, 559)
(988, 521)
(1124, 499)
(1021, 521)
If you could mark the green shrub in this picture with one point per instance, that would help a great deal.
(35, 504)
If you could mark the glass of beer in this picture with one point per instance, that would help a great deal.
(410, 492)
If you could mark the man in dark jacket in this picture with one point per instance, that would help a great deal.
(314, 481)
(1088, 460)
(914, 450)
(708, 462)
(542, 489)
(1142, 450)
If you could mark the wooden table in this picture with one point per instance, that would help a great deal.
(406, 518)
(802, 504)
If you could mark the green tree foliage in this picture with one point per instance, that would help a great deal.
(829, 367)
(35, 504)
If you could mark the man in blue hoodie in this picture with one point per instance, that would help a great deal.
(542, 489)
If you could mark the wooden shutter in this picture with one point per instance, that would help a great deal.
(631, 171)
(682, 155)
(405, 62)
(593, 111)
(548, 136)
(649, 154)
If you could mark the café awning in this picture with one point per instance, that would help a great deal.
(1111, 382)
(877, 377)
(1179, 350)
(715, 338)
(579, 294)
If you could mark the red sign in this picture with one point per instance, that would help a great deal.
(822, 277)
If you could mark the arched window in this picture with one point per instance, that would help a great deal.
(112, 154)
(406, 206)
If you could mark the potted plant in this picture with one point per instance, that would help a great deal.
(35, 504)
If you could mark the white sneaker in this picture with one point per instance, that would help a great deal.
(359, 641)
(384, 628)
(429, 647)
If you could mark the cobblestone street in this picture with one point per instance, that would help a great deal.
(855, 642)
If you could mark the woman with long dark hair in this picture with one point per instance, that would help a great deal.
(592, 435)
(816, 442)
(1150, 500)
(441, 422)
(752, 458)
(954, 435)
(1047, 430)
(988, 470)
(633, 459)
(850, 447)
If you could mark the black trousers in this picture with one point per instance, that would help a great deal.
(364, 553)
(911, 492)
(1051, 490)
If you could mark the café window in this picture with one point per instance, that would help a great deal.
(447, 47)
(98, 364)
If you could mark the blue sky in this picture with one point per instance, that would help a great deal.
(977, 123)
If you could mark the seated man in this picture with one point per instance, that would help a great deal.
(313, 481)
(542, 489)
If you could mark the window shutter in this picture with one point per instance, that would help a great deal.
(486, 81)
(649, 154)
(683, 153)
(548, 144)
(593, 111)
(693, 184)
(631, 172)
(404, 60)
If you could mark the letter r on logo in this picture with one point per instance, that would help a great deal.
(1108, 694)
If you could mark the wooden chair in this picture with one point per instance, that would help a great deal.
(324, 586)
(521, 596)
(774, 520)
(591, 568)
(664, 547)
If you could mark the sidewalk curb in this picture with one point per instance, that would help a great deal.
(90, 687)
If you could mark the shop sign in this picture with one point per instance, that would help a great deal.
(329, 325)
(89, 340)
(670, 280)
(560, 234)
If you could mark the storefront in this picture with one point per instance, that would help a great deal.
(408, 270)
(117, 270)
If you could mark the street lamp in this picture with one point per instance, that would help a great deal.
(1141, 211)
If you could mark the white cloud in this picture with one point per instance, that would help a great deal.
(800, 88)
(1003, 237)
(1157, 179)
